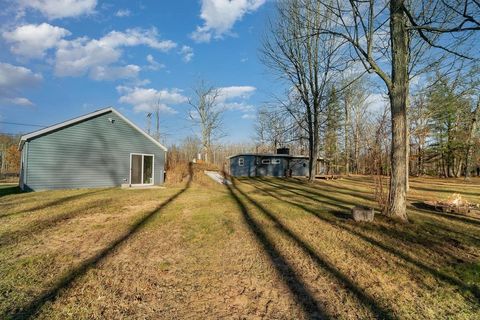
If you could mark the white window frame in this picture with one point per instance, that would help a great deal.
(241, 161)
(275, 161)
(143, 163)
(265, 161)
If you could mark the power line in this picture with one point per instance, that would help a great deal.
(23, 124)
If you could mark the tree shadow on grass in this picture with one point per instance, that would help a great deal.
(308, 191)
(459, 233)
(447, 191)
(419, 208)
(332, 185)
(66, 281)
(326, 199)
(6, 190)
(473, 289)
(63, 200)
(56, 202)
(362, 296)
(341, 214)
(296, 285)
(38, 226)
(423, 208)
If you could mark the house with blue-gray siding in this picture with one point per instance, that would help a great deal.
(270, 165)
(99, 149)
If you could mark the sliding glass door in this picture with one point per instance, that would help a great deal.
(141, 169)
(147, 169)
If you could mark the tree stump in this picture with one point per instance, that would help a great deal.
(363, 214)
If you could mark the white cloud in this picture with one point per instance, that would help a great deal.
(82, 55)
(55, 9)
(113, 73)
(12, 77)
(135, 37)
(123, 13)
(139, 82)
(187, 53)
(153, 64)
(232, 92)
(32, 40)
(220, 15)
(241, 106)
(146, 99)
(248, 116)
(19, 101)
(234, 98)
(13, 80)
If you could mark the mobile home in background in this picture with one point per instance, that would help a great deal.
(280, 164)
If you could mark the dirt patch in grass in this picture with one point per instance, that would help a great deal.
(264, 248)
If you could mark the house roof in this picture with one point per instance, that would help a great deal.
(87, 116)
(278, 155)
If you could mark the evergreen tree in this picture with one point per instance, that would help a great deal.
(450, 114)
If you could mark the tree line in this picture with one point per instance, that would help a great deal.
(335, 57)
(320, 48)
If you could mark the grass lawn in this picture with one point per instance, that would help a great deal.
(263, 248)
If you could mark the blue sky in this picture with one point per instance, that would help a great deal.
(63, 58)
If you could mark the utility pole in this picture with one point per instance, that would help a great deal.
(157, 123)
(149, 123)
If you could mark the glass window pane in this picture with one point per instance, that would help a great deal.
(136, 169)
(147, 169)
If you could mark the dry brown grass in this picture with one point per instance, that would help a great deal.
(180, 173)
(265, 248)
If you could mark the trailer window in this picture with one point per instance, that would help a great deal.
(275, 161)
(241, 162)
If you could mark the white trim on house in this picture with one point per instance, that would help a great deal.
(85, 117)
(143, 163)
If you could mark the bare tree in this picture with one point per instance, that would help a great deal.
(307, 63)
(353, 96)
(207, 113)
(472, 130)
(472, 81)
(275, 128)
(379, 34)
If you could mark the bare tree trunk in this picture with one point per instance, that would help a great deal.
(420, 169)
(471, 135)
(458, 168)
(407, 144)
(205, 113)
(311, 157)
(312, 145)
(398, 101)
(356, 151)
(347, 140)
